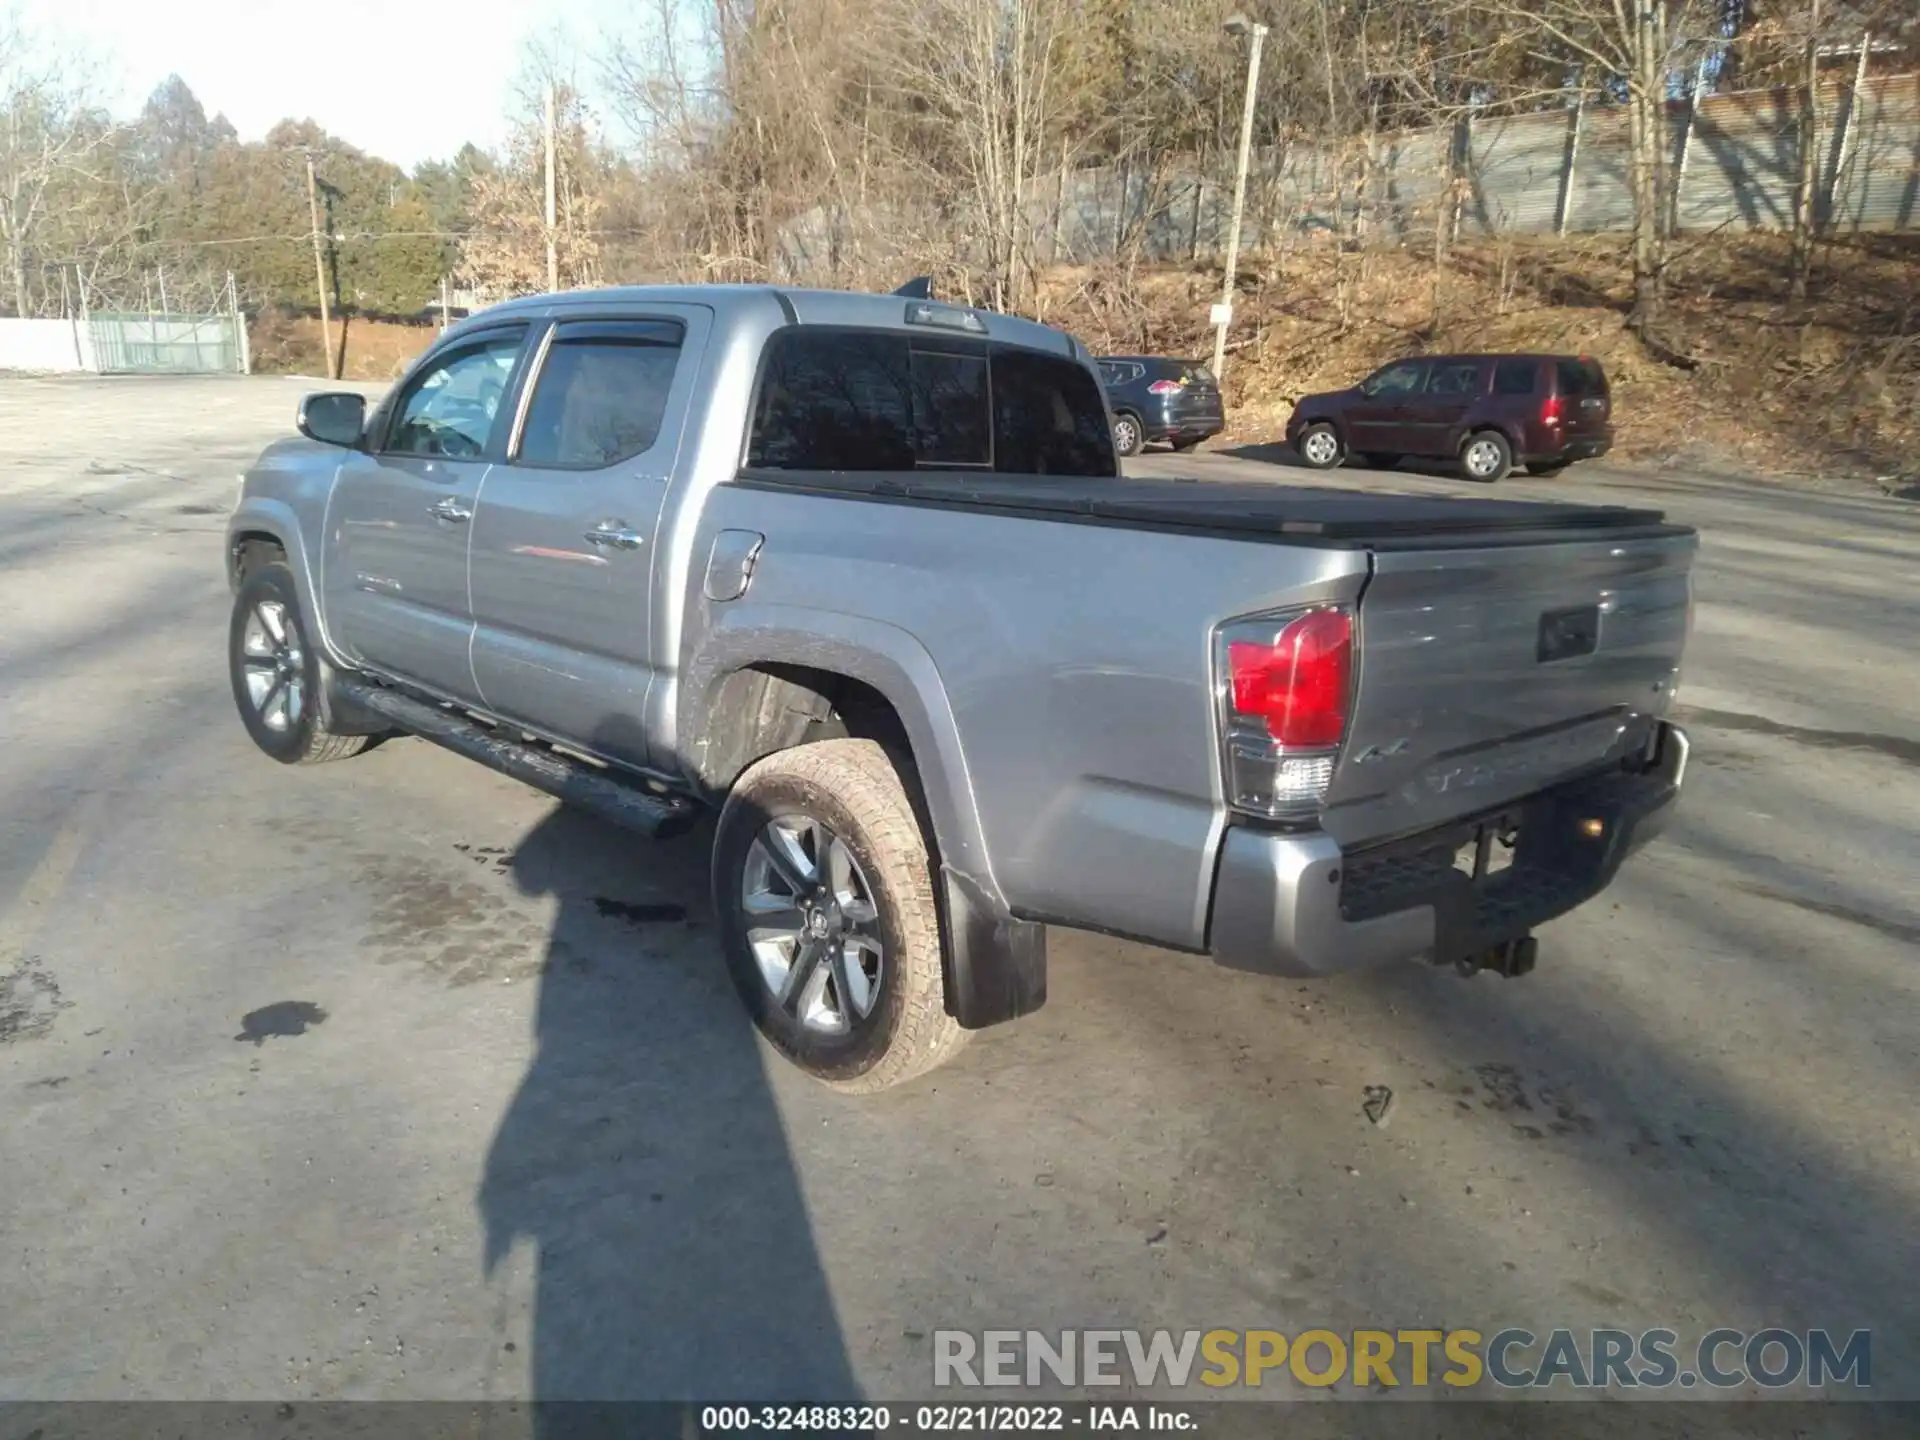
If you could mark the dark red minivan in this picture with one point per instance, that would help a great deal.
(1489, 412)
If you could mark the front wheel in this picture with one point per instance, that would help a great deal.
(1128, 438)
(1486, 456)
(1320, 446)
(277, 674)
(824, 889)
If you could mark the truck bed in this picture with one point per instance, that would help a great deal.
(1252, 510)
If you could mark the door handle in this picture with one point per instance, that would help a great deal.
(617, 534)
(450, 509)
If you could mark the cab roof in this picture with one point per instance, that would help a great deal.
(731, 302)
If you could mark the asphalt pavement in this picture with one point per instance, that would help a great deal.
(390, 1079)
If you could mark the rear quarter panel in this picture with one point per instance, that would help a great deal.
(1058, 674)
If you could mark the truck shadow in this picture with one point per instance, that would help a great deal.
(643, 1156)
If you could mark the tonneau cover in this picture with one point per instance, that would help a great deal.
(1298, 513)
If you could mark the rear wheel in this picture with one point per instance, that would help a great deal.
(1547, 467)
(1128, 438)
(824, 888)
(1486, 456)
(1319, 446)
(277, 674)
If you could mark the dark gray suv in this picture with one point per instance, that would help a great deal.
(1176, 401)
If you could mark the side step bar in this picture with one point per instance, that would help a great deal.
(581, 785)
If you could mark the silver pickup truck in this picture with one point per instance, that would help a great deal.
(860, 573)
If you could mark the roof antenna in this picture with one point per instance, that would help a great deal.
(918, 288)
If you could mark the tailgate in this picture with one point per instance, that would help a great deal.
(1199, 397)
(1486, 674)
(1586, 397)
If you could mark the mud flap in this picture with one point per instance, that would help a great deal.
(996, 966)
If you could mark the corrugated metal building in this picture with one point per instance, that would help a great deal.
(1734, 162)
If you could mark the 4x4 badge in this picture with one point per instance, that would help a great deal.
(1381, 752)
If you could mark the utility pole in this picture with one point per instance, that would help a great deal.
(1223, 313)
(446, 306)
(320, 271)
(239, 325)
(553, 246)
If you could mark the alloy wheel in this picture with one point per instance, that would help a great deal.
(812, 924)
(275, 666)
(1483, 458)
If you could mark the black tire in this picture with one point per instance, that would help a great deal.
(1547, 467)
(1377, 461)
(1129, 435)
(1499, 457)
(852, 788)
(1314, 450)
(292, 731)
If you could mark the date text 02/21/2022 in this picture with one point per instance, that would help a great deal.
(942, 1419)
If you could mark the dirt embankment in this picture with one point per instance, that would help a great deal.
(283, 344)
(1832, 391)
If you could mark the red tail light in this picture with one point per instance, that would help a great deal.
(1286, 695)
(1165, 387)
(1550, 409)
(1299, 683)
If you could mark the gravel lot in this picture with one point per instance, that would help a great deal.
(387, 1079)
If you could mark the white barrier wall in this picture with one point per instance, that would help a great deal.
(61, 345)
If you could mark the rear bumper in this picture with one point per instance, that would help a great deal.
(1186, 427)
(1174, 420)
(1578, 447)
(1298, 905)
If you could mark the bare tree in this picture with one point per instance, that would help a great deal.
(1794, 42)
(505, 250)
(1636, 48)
(53, 139)
(1807, 179)
(977, 85)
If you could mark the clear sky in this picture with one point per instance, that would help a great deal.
(406, 80)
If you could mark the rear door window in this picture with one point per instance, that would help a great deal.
(601, 393)
(1515, 377)
(1454, 378)
(1395, 380)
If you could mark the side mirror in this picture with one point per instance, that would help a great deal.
(333, 417)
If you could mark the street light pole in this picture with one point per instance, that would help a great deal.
(1238, 25)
